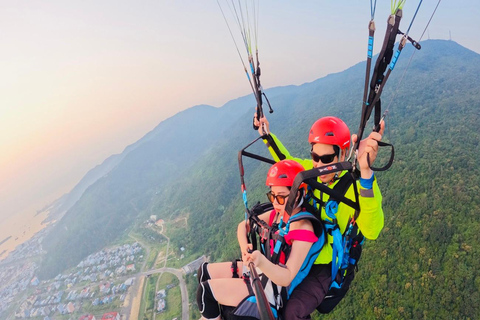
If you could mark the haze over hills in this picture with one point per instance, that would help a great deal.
(187, 166)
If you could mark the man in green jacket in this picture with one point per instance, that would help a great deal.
(330, 141)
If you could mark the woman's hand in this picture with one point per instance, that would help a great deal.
(256, 257)
(246, 251)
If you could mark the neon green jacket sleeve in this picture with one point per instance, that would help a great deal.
(371, 218)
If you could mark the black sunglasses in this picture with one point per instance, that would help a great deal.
(280, 199)
(326, 158)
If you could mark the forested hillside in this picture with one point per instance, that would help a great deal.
(423, 265)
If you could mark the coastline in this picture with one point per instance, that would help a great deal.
(19, 229)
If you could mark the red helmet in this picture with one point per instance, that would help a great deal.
(283, 173)
(330, 130)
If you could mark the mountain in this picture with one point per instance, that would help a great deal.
(125, 184)
(424, 264)
(62, 205)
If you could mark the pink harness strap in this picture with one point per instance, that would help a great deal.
(301, 235)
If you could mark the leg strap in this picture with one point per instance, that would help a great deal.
(234, 268)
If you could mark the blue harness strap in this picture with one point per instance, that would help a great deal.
(342, 243)
(338, 246)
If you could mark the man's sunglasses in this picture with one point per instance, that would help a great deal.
(280, 199)
(326, 158)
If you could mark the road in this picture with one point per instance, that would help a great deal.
(183, 286)
(177, 272)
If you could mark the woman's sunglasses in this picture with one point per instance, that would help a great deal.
(326, 158)
(280, 199)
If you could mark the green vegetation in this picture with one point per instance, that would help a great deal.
(151, 235)
(123, 239)
(155, 283)
(152, 257)
(99, 309)
(175, 260)
(147, 307)
(160, 261)
(192, 284)
(173, 305)
(167, 279)
(147, 235)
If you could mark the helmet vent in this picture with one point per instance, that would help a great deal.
(282, 176)
(329, 134)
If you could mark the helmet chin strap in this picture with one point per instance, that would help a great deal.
(299, 203)
(335, 178)
(337, 174)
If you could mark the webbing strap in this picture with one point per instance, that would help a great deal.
(390, 161)
(340, 246)
(383, 60)
(310, 177)
(257, 157)
(271, 142)
(280, 241)
(333, 229)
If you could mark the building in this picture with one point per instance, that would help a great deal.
(70, 307)
(111, 316)
(161, 305)
(161, 294)
(35, 281)
(129, 282)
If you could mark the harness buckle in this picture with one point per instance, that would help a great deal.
(264, 233)
(278, 300)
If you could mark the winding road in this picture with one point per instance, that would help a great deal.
(179, 273)
(183, 286)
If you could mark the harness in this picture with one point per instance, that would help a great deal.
(342, 243)
(271, 241)
(346, 247)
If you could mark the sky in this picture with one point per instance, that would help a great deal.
(80, 81)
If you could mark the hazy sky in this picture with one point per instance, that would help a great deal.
(81, 80)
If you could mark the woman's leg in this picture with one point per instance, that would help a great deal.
(223, 269)
(229, 292)
(209, 271)
(211, 293)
